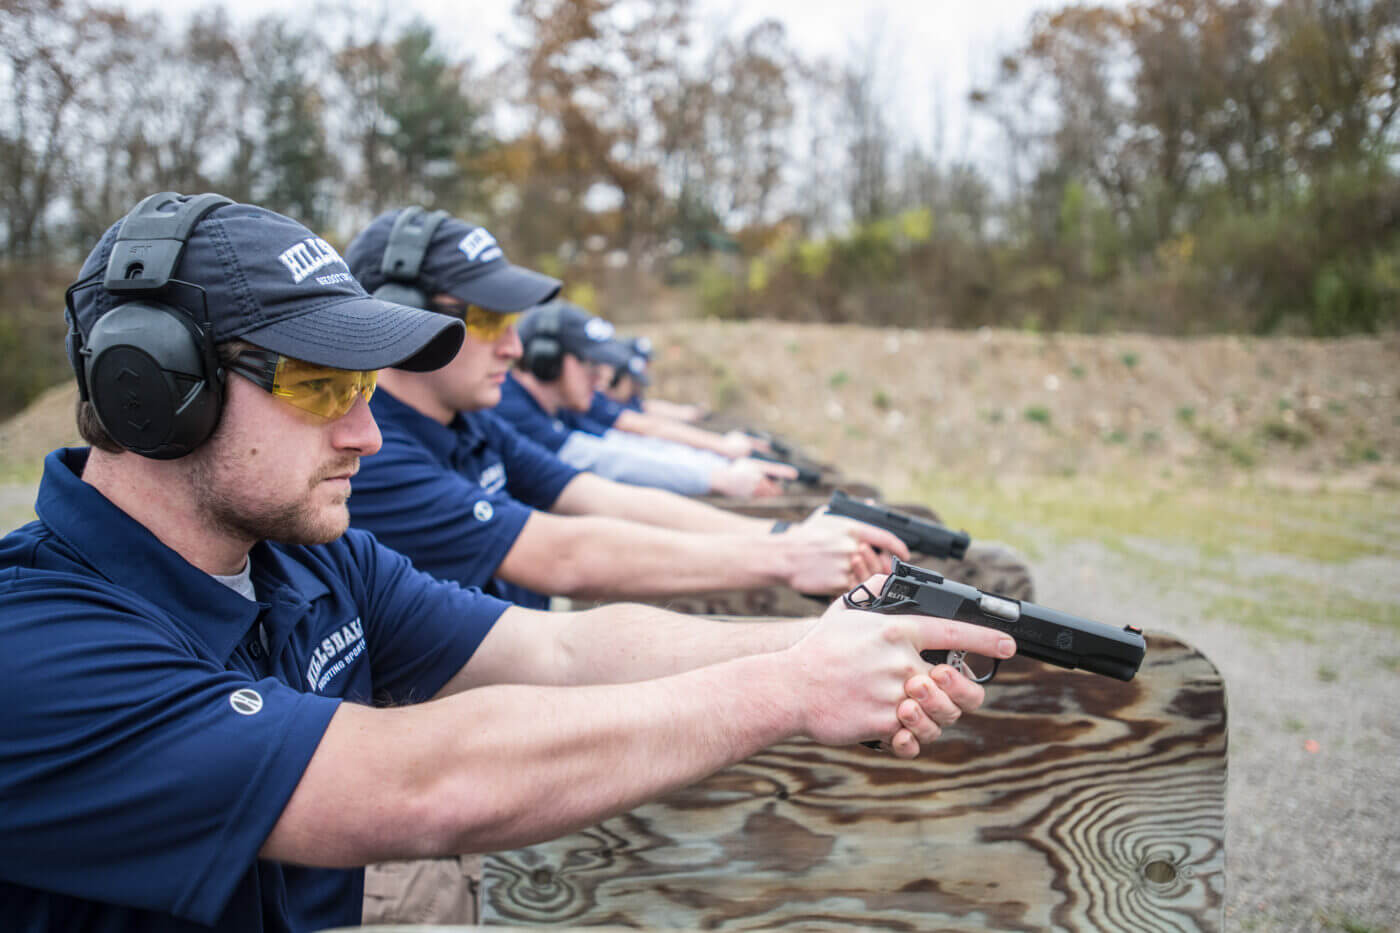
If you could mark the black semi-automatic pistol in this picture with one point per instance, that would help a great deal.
(1044, 634)
(922, 536)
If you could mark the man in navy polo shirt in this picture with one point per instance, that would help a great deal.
(468, 499)
(550, 395)
(217, 699)
(616, 403)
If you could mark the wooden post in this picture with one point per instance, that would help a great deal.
(1069, 802)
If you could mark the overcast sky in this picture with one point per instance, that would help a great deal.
(933, 51)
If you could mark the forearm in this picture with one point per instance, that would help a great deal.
(672, 410)
(609, 558)
(635, 467)
(675, 431)
(593, 495)
(624, 642)
(446, 776)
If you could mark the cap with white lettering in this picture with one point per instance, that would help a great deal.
(585, 335)
(270, 281)
(462, 260)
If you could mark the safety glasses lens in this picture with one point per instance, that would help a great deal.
(487, 325)
(322, 390)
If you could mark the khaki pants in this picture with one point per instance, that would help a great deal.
(437, 890)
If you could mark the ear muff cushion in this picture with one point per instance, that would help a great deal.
(543, 353)
(147, 380)
(546, 358)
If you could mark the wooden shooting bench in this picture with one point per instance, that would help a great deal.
(1068, 802)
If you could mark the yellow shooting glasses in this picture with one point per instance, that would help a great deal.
(321, 390)
(486, 326)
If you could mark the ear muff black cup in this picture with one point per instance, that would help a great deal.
(543, 354)
(148, 367)
(402, 265)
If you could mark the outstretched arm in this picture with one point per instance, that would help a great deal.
(508, 765)
(589, 494)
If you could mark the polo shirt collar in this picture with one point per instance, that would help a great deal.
(513, 386)
(440, 440)
(120, 549)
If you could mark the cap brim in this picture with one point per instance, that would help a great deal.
(365, 333)
(505, 288)
(608, 351)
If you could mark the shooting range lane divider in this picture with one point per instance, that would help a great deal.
(1068, 802)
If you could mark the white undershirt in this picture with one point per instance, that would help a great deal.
(242, 584)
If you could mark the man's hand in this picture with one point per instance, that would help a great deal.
(751, 479)
(862, 679)
(865, 560)
(736, 444)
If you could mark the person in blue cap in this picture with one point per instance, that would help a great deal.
(552, 398)
(220, 703)
(467, 498)
(539, 406)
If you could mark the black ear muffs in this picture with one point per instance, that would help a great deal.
(402, 265)
(150, 380)
(543, 353)
(148, 367)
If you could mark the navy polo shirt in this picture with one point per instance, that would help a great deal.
(519, 409)
(454, 497)
(603, 413)
(150, 742)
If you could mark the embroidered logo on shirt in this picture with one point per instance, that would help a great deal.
(483, 510)
(493, 478)
(335, 654)
(245, 702)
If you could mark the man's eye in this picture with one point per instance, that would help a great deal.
(313, 385)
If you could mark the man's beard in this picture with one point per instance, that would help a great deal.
(296, 522)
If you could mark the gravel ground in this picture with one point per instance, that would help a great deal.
(1312, 836)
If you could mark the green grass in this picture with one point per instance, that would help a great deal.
(1327, 527)
(1188, 532)
(1038, 414)
(1349, 924)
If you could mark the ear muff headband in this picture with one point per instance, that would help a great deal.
(402, 265)
(543, 354)
(148, 367)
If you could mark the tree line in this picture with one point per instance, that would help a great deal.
(1178, 167)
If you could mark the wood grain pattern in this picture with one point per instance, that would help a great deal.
(1069, 802)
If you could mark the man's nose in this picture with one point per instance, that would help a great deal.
(508, 345)
(356, 430)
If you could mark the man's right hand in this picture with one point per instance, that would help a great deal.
(861, 677)
(751, 479)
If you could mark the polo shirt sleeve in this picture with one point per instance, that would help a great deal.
(604, 411)
(447, 524)
(423, 629)
(629, 463)
(142, 773)
(534, 475)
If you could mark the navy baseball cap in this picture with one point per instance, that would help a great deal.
(637, 363)
(585, 335)
(272, 282)
(462, 260)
